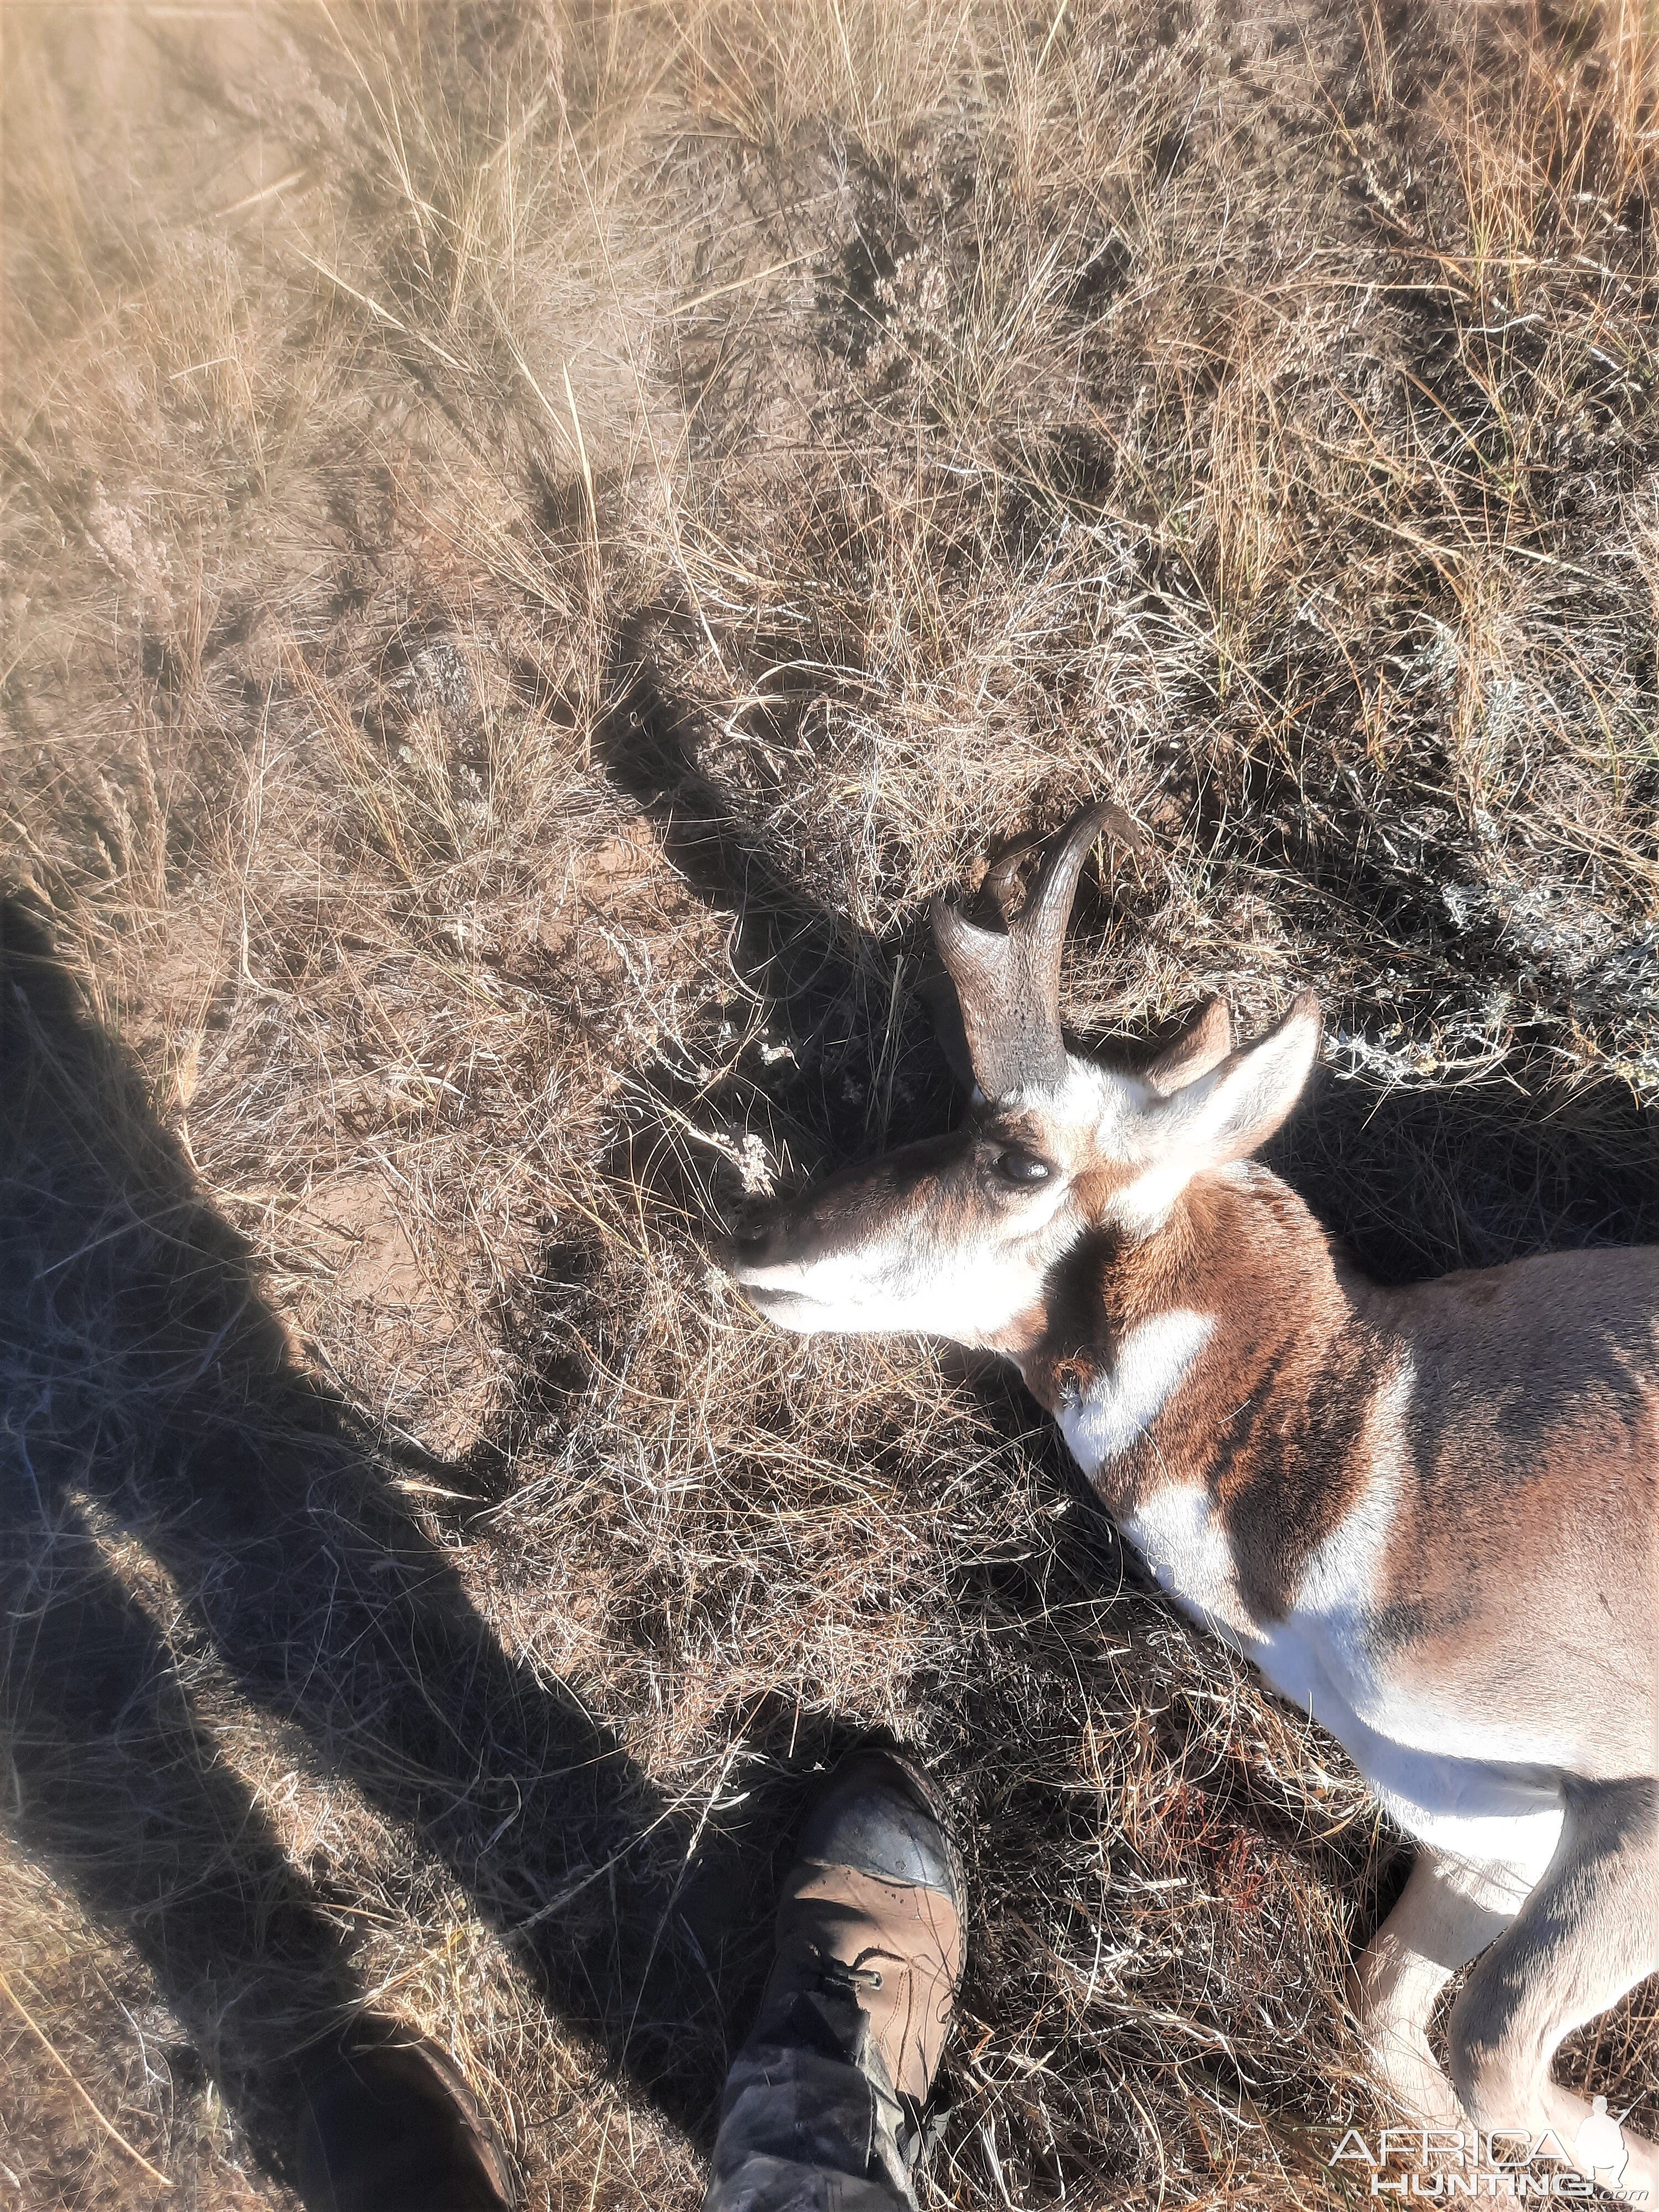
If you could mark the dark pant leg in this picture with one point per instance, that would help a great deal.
(809, 2120)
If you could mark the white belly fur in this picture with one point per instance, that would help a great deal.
(1433, 1774)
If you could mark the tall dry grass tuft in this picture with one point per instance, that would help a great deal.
(536, 538)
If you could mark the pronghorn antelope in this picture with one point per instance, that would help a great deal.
(1428, 1515)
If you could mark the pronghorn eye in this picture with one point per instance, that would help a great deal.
(1016, 1165)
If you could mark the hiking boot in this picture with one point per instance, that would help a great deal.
(387, 2124)
(872, 1912)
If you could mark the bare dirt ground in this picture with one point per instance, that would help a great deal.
(536, 536)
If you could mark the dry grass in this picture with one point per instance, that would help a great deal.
(536, 535)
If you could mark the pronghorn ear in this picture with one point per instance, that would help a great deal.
(1236, 1107)
(1203, 1044)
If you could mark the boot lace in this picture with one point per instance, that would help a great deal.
(845, 1973)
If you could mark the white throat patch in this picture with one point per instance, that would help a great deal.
(1118, 1408)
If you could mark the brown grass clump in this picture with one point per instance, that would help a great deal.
(536, 537)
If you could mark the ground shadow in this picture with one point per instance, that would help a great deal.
(188, 1515)
(863, 1067)
(1421, 1182)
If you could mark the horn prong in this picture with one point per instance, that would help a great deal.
(1002, 877)
(963, 944)
(1007, 981)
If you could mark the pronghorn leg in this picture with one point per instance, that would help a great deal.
(1450, 1909)
(1589, 1932)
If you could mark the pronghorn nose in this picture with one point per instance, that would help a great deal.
(746, 1242)
(752, 1243)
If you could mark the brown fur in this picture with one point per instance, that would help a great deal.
(1536, 1434)
(1533, 1440)
(1272, 1420)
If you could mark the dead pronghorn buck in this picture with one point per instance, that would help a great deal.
(1426, 1515)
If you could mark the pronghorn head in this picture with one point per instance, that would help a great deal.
(955, 1236)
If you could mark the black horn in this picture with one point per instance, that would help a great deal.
(1007, 981)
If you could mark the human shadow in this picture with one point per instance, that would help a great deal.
(188, 1521)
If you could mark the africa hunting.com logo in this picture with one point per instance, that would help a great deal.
(1447, 2165)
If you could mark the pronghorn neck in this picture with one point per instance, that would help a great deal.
(1224, 1357)
(1238, 1250)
